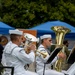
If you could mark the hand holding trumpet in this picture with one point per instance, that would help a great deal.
(29, 48)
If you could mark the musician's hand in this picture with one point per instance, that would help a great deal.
(62, 55)
(32, 47)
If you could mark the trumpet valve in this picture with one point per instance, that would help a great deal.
(43, 54)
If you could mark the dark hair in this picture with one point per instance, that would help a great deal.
(13, 37)
(65, 41)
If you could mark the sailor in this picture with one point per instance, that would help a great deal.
(46, 41)
(15, 56)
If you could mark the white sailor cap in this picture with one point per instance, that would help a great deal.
(45, 36)
(16, 31)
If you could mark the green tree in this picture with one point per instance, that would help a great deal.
(28, 13)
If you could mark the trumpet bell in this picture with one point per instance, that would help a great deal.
(30, 37)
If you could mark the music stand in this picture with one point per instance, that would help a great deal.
(71, 58)
(51, 57)
(12, 69)
(52, 47)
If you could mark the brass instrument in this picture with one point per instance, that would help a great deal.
(44, 54)
(30, 39)
(60, 32)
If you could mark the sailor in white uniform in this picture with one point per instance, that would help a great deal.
(46, 41)
(15, 56)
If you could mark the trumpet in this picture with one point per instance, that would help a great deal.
(44, 54)
(29, 39)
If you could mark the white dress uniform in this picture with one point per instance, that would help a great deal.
(16, 57)
(71, 70)
(40, 64)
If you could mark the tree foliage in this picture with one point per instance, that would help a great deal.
(29, 13)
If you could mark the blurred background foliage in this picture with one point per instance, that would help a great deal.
(28, 13)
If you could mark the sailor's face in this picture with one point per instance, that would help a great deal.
(48, 42)
(19, 40)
